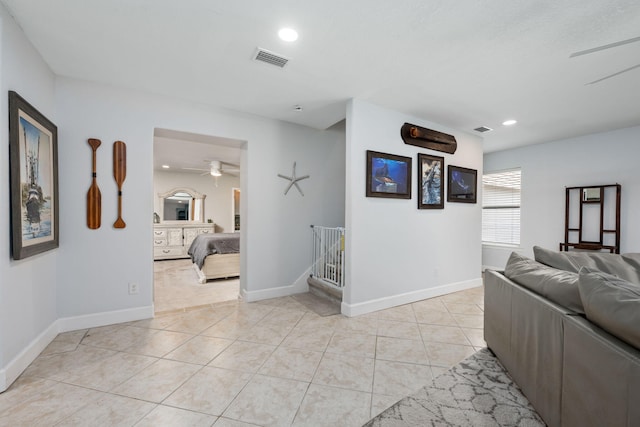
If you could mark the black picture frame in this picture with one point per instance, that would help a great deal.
(430, 182)
(462, 185)
(388, 175)
(33, 164)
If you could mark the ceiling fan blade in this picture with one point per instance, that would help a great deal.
(606, 46)
(613, 75)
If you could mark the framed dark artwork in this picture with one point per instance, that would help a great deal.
(33, 157)
(462, 185)
(388, 175)
(430, 184)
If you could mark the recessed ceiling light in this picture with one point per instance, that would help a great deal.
(288, 34)
(509, 122)
(165, 166)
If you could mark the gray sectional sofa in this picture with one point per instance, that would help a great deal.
(567, 328)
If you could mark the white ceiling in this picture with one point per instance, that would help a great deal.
(180, 150)
(462, 64)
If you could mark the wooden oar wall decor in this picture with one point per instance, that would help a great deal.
(119, 174)
(428, 138)
(93, 195)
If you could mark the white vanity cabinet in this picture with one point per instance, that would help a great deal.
(171, 241)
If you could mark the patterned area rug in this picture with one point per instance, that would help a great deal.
(475, 392)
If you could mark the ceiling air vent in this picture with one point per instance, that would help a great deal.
(270, 58)
(483, 129)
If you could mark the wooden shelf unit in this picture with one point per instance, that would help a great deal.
(600, 196)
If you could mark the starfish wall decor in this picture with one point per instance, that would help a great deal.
(294, 180)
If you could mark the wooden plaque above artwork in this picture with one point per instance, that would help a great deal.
(428, 138)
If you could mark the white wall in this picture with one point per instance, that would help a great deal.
(96, 265)
(332, 185)
(395, 252)
(218, 205)
(28, 286)
(602, 158)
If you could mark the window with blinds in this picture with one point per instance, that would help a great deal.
(501, 207)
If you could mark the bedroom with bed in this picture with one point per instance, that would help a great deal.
(196, 222)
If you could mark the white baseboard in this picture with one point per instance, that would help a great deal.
(105, 318)
(406, 298)
(299, 286)
(12, 371)
(282, 291)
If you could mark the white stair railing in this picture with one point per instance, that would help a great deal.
(328, 255)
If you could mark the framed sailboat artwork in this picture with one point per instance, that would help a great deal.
(33, 157)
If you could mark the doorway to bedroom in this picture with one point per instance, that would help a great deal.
(196, 197)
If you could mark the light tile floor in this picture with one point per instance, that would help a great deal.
(237, 364)
(175, 286)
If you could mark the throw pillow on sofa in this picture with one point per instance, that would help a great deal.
(556, 285)
(623, 266)
(611, 303)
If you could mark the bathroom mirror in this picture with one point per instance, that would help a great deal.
(181, 205)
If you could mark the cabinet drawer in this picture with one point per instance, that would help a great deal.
(159, 242)
(205, 230)
(176, 251)
(159, 234)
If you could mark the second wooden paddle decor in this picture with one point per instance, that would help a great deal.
(93, 195)
(119, 173)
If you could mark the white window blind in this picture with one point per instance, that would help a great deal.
(501, 207)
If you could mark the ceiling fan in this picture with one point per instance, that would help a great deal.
(216, 168)
(608, 46)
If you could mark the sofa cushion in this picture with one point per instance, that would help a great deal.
(626, 267)
(559, 286)
(633, 259)
(611, 303)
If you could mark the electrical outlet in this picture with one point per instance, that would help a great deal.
(133, 289)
